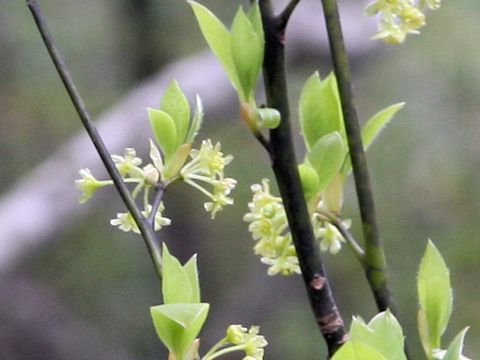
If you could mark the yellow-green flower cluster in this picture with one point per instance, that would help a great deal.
(330, 237)
(400, 17)
(144, 178)
(125, 221)
(207, 166)
(247, 340)
(269, 227)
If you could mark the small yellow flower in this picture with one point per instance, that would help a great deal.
(269, 227)
(126, 222)
(399, 17)
(127, 164)
(252, 341)
(207, 166)
(88, 185)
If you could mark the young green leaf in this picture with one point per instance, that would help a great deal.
(326, 157)
(255, 18)
(332, 196)
(377, 122)
(156, 157)
(309, 179)
(218, 38)
(175, 104)
(372, 129)
(355, 350)
(435, 293)
(196, 122)
(320, 112)
(455, 349)
(165, 131)
(178, 325)
(383, 333)
(176, 285)
(191, 270)
(247, 53)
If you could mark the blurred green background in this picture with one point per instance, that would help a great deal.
(90, 286)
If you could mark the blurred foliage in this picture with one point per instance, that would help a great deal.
(424, 170)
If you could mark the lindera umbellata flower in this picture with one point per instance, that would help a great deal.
(323, 173)
(207, 166)
(269, 227)
(88, 185)
(174, 161)
(125, 221)
(179, 320)
(326, 165)
(398, 18)
(239, 338)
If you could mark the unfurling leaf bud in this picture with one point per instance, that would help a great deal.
(309, 179)
(177, 161)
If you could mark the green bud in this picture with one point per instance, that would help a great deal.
(268, 118)
(309, 179)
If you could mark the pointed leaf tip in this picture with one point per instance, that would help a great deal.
(247, 53)
(319, 109)
(175, 104)
(218, 39)
(164, 130)
(435, 294)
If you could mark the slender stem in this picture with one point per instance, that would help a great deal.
(246, 114)
(351, 241)
(225, 351)
(375, 262)
(285, 168)
(264, 142)
(284, 16)
(157, 200)
(148, 234)
(215, 347)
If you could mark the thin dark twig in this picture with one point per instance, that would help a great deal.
(285, 169)
(157, 200)
(352, 242)
(284, 16)
(264, 142)
(147, 232)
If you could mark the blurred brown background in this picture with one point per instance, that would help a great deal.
(71, 287)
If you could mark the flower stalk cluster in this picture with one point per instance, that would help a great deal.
(174, 161)
(207, 166)
(400, 17)
(239, 338)
(269, 228)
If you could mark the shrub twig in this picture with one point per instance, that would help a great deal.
(375, 263)
(285, 169)
(146, 229)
